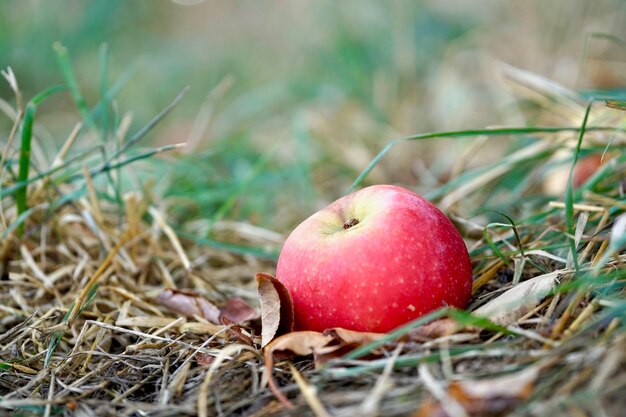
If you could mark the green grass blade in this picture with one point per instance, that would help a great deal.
(395, 334)
(65, 64)
(467, 319)
(150, 125)
(372, 165)
(467, 133)
(21, 197)
(569, 193)
(113, 91)
(37, 99)
(17, 224)
(104, 90)
(24, 162)
(46, 174)
(255, 170)
(58, 335)
(492, 244)
(515, 231)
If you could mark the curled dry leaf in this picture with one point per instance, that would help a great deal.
(189, 304)
(276, 308)
(435, 329)
(323, 346)
(353, 337)
(345, 341)
(510, 306)
(239, 311)
(486, 397)
(302, 343)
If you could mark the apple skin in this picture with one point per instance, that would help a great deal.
(585, 168)
(374, 260)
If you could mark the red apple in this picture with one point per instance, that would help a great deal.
(585, 168)
(374, 260)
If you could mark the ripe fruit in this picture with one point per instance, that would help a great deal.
(374, 260)
(585, 168)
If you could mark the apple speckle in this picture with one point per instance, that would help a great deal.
(411, 307)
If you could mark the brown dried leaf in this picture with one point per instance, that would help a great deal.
(435, 329)
(189, 304)
(277, 315)
(204, 359)
(236, 330)
(239, 311)
(353, 337)
(302, 343)
(294, 344)
(344, 342)
(486, 397)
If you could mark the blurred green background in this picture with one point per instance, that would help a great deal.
(290, 100)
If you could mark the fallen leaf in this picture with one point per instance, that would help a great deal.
(236, 330)
(435, 329)
(345, 341)
(486, 397)
(353, 337)
(302, 343)
(277, 316)
(189, 304)
(510, 306)
(239, 311)
(204, 359)
(323, 346)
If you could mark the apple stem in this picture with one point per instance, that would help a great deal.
(350, 223)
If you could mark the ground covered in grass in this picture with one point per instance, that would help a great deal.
(85, 329)
(129, 262)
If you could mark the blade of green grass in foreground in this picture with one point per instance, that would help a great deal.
(58, 335)
(467, 319)
(492, 244)
(462, 317)
(569, 193)
(466, 133)
(401, 331)
(25, 148)
(106, 166)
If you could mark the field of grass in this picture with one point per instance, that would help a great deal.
(158, 146)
